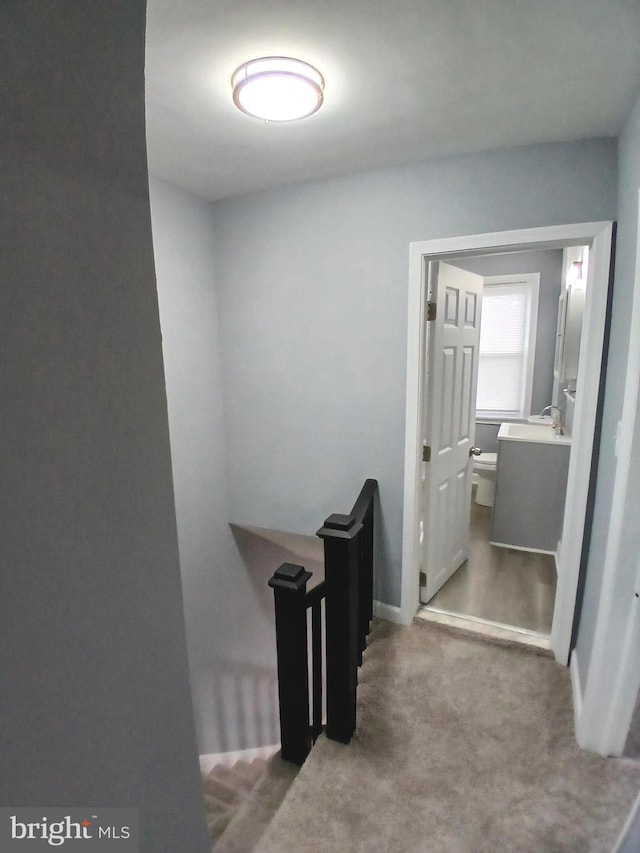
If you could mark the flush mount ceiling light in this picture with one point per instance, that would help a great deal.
(277, 88)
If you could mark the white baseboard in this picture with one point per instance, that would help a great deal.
(388, 611)
(228, 759)
(576, 690)
(630, 834)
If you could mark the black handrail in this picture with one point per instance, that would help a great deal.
(348, 594)
(364, 501)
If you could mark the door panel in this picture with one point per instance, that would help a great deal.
(467, 397)
(446, 400)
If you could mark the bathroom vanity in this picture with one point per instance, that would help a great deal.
(531, 483)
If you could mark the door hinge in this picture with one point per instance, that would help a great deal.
(431, 310)
(423, 579)
(426, 453)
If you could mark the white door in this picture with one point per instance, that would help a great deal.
(453, 341)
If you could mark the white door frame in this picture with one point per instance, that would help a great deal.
(614, 670)
(598, 235)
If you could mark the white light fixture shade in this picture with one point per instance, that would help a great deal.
(277, 88)
(574, 274)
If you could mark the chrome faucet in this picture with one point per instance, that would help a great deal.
(556, 424)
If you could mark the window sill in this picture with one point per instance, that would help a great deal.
(499, 419)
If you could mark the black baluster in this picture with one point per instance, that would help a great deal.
(316, 678)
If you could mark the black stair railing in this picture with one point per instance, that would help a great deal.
(348, 594)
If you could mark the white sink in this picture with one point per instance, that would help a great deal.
(545, 434)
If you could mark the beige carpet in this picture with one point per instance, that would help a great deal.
(462, 745)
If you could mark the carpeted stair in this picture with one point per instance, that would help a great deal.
(224, 789)
(240, 801)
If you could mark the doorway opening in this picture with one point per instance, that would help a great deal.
(530, 328)
(424, 409)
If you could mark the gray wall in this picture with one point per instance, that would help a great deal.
(486, 437)
(313, 303)
(228, 612)
(628, 183)
(549, 265)
(95, 703)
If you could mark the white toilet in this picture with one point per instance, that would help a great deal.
(484, 474)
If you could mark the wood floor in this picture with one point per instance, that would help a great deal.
(500, 585)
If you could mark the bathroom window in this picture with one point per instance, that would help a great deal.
(507, 346)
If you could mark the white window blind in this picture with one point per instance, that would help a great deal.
(507, 341)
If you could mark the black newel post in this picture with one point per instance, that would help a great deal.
(340, 534)
(289, 585)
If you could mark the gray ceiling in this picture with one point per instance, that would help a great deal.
(405, 81)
